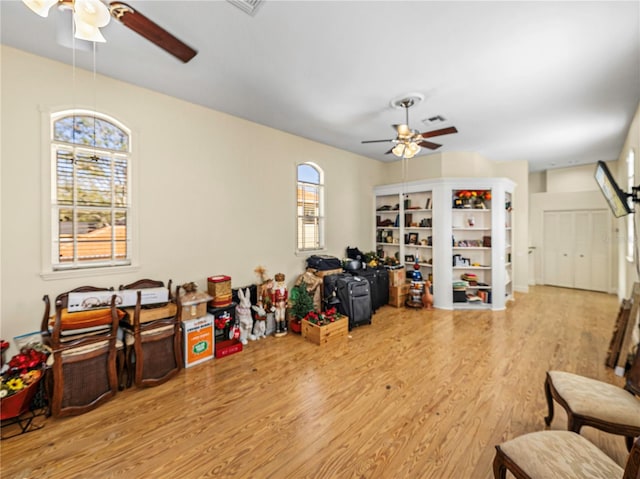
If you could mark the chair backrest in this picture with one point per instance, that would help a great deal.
(633, 374)
(632, 469)
(61, 302)
(147, 283)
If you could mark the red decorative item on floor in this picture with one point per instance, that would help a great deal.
(18, 403)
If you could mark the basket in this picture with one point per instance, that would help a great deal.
(17, 404)
(220, 288)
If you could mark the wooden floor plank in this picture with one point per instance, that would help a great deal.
(418, 394)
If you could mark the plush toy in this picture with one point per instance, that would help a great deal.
(260, 325)
(427, 297)
(243, 315)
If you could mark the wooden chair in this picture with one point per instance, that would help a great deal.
(604, 406)
(560, 455)
(84, 348)
(152, 337)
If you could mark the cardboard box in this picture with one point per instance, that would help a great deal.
(198, 341)
(329, 333)
(327, 272)
(193, 311)
(398, 295)
(397, 277)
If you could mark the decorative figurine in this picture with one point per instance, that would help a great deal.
(260, 324)
(279, 297)
(243, 316)
(417, 275)
(427, 298)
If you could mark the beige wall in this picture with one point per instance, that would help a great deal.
(628, 271)
(214, 193)
(566, 180)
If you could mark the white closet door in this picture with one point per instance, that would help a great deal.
(577, 252)
(600, 250)
(558, 239)
(582, 250)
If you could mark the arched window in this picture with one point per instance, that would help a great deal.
(310, 207)
(90, 197)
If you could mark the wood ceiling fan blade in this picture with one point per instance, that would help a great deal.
(443, 131)
(150, 30)
(375, 141)
(430, 145)
(388, 152)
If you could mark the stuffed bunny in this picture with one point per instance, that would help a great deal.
(243, 316)
(260, 325)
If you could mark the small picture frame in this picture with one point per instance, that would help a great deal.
(413, 238)
(409, 258)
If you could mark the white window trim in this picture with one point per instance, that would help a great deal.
(630, 219)
(47, 188)
(321, 216)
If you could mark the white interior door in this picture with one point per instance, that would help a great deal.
(558, 257)
(600, 251)
(577, 251)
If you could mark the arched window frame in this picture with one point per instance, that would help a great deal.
(310, 220)
(121, 259)
(631, 166)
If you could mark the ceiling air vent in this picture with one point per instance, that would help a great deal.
(434, 120)
(248, 6)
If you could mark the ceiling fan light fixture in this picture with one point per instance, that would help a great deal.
(40, 7)
(403, 131)
(91, 12)
(413, 148)
(85, 31)
(398, 150)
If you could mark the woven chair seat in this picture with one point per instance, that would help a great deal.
(597, 399)
(557, 455)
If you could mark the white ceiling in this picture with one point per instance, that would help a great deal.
(554, 83)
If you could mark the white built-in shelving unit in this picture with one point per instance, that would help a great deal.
(457, 242)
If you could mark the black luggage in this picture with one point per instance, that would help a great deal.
(383, 285)
(355, 299)
(330, 291)
(371, 276)
(322, 262)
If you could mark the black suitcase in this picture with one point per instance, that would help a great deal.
(383, 285)
(330, 291)
(370, 275)
(323, 262)
(355, 300)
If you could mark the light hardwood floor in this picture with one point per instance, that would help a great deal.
(418, 394)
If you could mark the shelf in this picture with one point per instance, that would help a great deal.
(472, 305)
(473, 267)
(387, 228)
(424, 265)
(486, 288)
(418, 228)
(471, 228)
(471, 247)
(417, 210)
(409, 246)
(388, 244)
(470, 209)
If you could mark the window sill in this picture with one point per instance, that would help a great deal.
(309, 252)
(88, 272)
